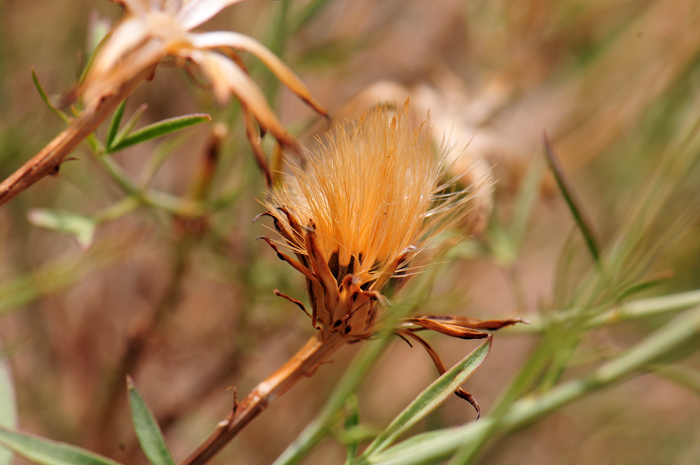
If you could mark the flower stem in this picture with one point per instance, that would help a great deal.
(303, 363)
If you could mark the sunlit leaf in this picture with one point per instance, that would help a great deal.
(46, 452)
(574, 203)
(128, 127)
(114, 124)
(159, 129)
(45, 99)
(430, 398)
(81, 227)
(147, 430)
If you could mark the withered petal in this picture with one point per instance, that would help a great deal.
(447, 328)
(227, 78)
(196, 12)
(473, 323)
(282, 71)
(254, 140)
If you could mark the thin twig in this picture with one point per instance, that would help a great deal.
(304, 363)
(48, 160)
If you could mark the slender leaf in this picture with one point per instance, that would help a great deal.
(429, 448)
(8, 407)
(81, 227)
(115, 123)
(46, 452)
(352, 420)
(45, 98)
(159, 129)
(645, 284)
(96, 49)
(147, 430)
(430, 398)
(160, 155)
(572, 200)
(128, 127)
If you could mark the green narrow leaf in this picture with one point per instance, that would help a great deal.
(46, 452)
(160, 155)
(81, 227)
(114, 124)
(645, 284)
(8, 407)
(430, 398)
(106, 35)
(572, 200)
(128, 127)
(45, 98)
(159, 129)
(147, 429)
(352, 420)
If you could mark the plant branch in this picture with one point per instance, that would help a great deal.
(48, 160)
(633, 310)
(303, 363)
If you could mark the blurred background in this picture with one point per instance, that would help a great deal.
(184, 303)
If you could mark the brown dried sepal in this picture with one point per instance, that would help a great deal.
(339, 302)
(453, 326)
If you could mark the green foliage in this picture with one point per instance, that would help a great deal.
(572, 200)
(46, 100)
(81, 227)
(430, 399)
(126, 138)
(45, 452)
(586, 297)
(147, 430)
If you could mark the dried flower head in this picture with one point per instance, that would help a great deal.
(365, 205)
(155, 29)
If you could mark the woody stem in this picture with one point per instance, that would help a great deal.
(50, 157)
(303, 363)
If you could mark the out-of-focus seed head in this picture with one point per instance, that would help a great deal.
(153, 30)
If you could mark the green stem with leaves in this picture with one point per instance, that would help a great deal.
(528, 410)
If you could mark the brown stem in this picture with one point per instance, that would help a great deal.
(48, 160)
(303, 363)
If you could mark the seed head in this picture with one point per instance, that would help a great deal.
(368, 201)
